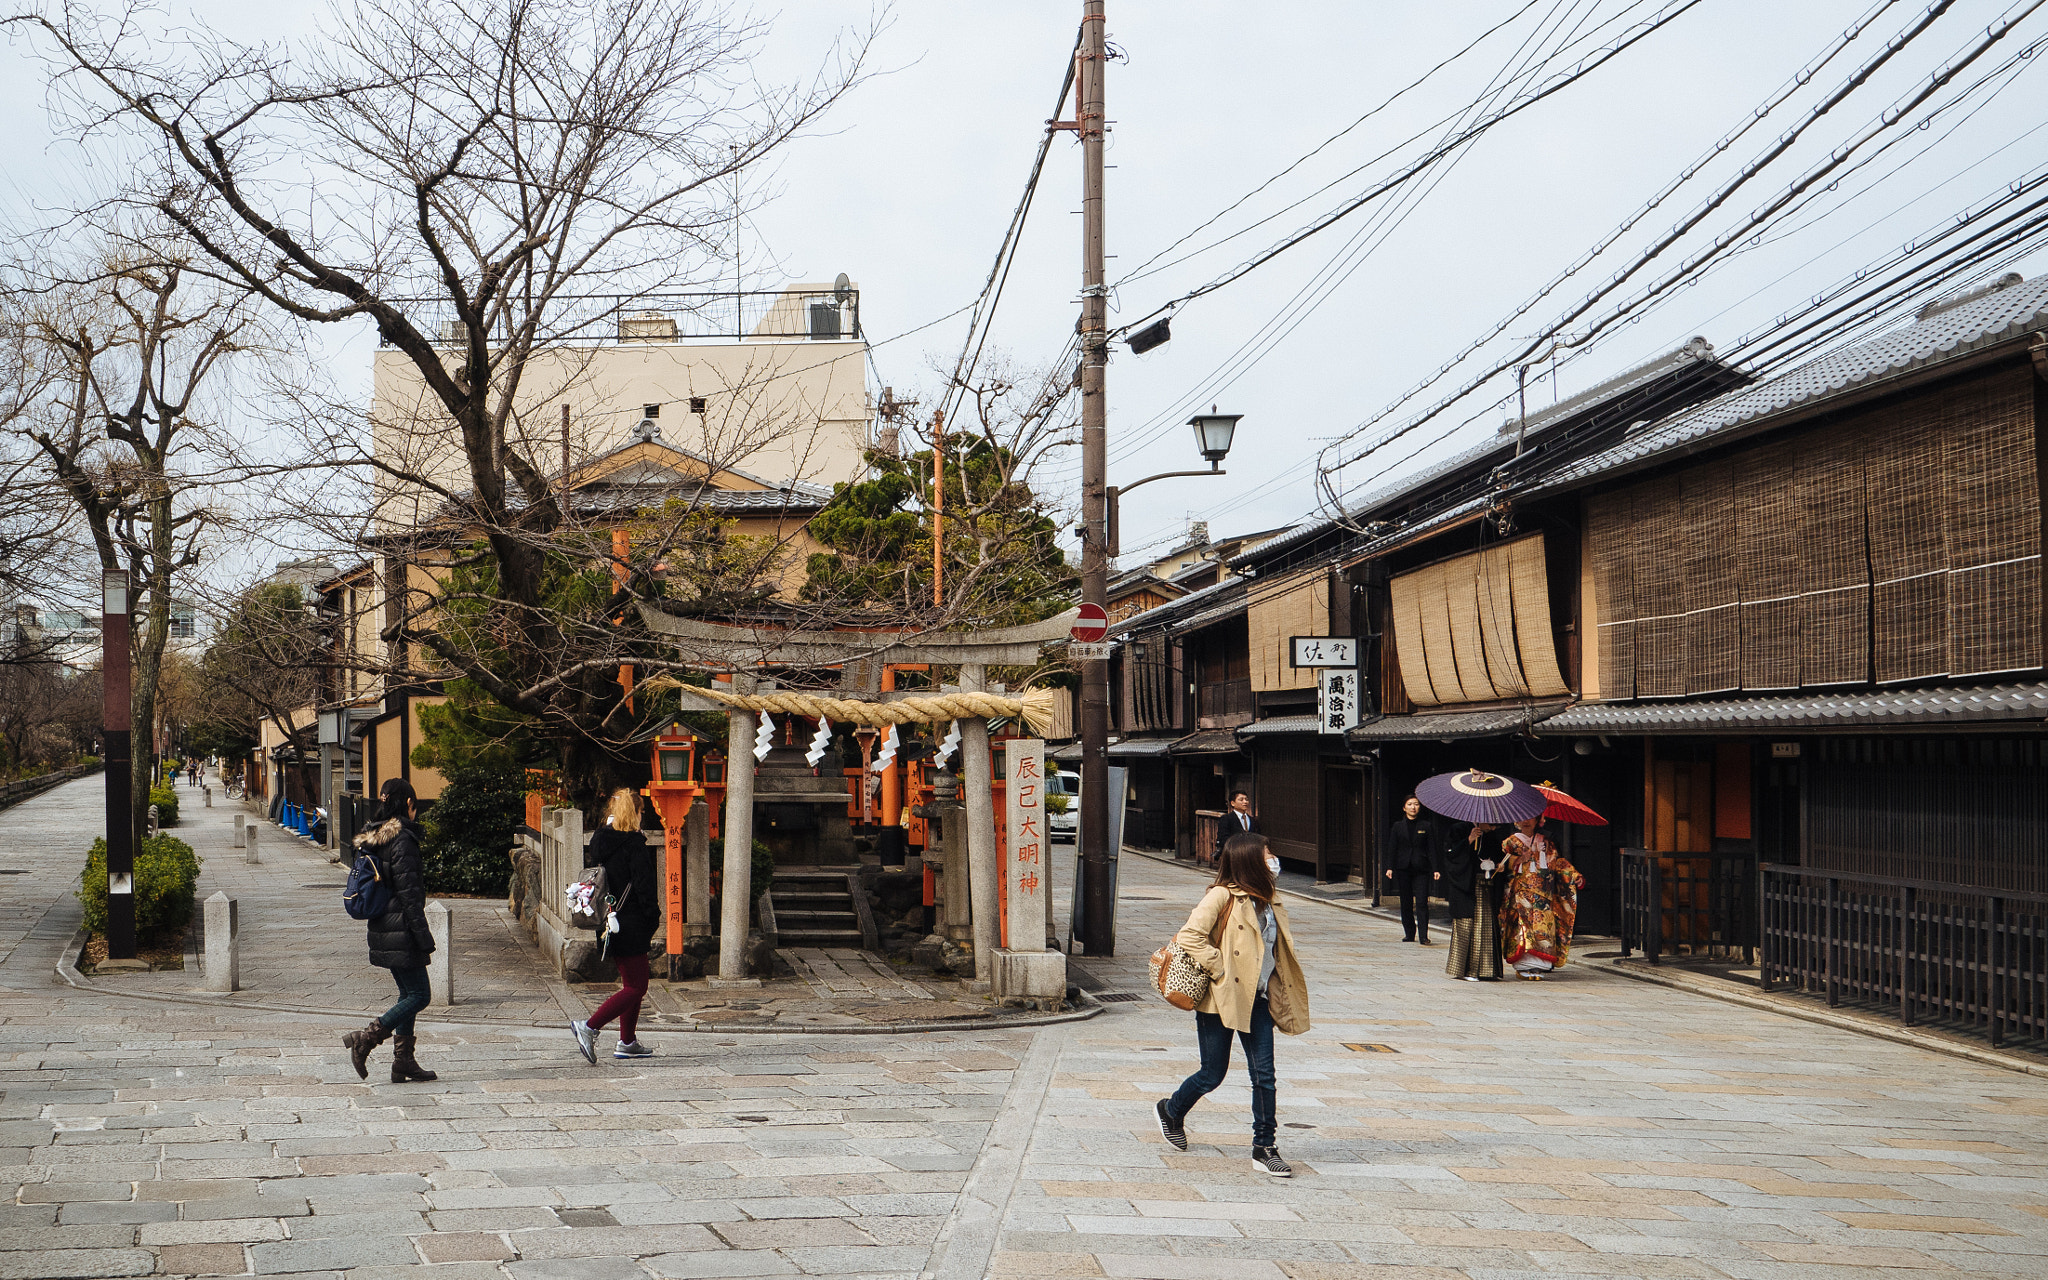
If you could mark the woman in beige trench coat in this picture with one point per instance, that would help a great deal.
(1238, 936)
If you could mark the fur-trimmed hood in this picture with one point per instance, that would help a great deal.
(382, 834)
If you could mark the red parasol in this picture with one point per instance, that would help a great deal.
(1565, 809)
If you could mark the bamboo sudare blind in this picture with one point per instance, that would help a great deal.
(1610, 531)
(1900, 543)
(1476, 628)
(1297, 607)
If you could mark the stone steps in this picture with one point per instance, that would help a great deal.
(814, 907)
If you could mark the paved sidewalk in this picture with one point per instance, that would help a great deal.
(1584, 1126)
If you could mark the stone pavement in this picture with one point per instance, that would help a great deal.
(1586, 1126)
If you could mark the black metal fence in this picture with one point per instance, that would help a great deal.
(1931, 952)
(1699, 903)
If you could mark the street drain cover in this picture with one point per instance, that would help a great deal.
(1110, 996)
(13, 871)
(1137, 897)
(1370, 1048)
(1296, 1124)
(753, 1119)
(324, 886)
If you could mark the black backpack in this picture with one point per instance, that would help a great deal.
(367, 894)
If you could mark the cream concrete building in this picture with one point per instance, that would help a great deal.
(786, 400)
(751, 406)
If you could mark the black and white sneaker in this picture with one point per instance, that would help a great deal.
(1170, 1128)
(1267, 1160)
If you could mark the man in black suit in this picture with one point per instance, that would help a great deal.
(1238, 819)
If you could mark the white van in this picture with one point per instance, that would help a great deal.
(1063, 826)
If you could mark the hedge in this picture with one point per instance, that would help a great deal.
(166, 871)
(469, 831)
(165, 798)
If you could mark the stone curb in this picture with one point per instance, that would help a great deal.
(68, 971)
(1714, 991)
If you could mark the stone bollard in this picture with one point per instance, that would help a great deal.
(208, 793)
(223, 944)
(441, 965)
(240, 818)
(249, 833)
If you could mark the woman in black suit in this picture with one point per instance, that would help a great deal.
(1410, 854)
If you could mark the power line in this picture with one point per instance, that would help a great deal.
(1139, 272)
(1890, 118)
(1583, 69)
(1351, 255)
(999, 272)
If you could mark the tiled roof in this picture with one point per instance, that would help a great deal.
(1980, 322)
(1834, 712)
(1487, 723)
(798, 497)
(1697, 351)
(1280, 724)
(1165, 615)
(1207, 742)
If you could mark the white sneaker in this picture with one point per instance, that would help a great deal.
(586, 1040)
(632, 1049)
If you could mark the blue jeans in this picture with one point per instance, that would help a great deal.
(1214, 1039)
(413, 994)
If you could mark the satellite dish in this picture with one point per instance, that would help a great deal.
(842, 288)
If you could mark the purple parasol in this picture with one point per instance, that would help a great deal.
(1478, 796)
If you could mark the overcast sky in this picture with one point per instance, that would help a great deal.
(908, 188)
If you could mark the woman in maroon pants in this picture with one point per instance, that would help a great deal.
(629, 877)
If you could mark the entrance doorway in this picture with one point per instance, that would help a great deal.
(1343, 844)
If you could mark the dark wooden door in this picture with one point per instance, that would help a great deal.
(1342, 844)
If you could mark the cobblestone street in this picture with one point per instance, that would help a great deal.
(1590, 1125)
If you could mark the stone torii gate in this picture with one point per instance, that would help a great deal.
(1024, 969)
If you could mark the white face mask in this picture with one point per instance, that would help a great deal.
(1272, 864)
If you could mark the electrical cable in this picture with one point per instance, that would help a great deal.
(1139, 272)
(1583, 69)
(999, 272)
(1347, 260)
(1887, 120)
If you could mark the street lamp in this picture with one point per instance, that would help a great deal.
(1213, 434)
(114, 606)
(1097, 924)
(1213, 431)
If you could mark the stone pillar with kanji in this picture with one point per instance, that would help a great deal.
(1024, 970)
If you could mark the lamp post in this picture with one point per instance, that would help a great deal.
(120, 803)
(1213, 434)
(673, 789)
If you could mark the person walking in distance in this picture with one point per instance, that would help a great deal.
(1238, 820)
(1411, 866)
(1238, 935)
(629, 878)
(399, 938)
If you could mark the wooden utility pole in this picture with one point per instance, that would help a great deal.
(938, 508)
(1098, 920)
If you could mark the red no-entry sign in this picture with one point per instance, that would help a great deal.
(1092, 625)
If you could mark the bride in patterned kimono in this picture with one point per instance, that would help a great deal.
(1540, 904)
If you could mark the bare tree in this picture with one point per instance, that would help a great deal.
(133, 350)
(484, 171)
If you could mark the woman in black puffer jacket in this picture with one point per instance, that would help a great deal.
(630, 880)
(399, 938)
